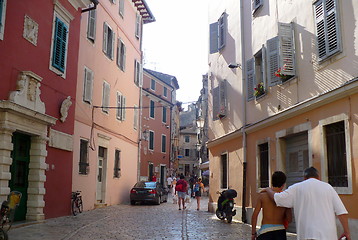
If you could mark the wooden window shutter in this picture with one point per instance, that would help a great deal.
(223, 98)
(121, 7)
(88, 86)
(59, 46)
(123, 108)
(124, 57)
(105, 35)
(287, 49)
(216, 103)
(214, 33)
(135, 117)
(91, 29)
(119, 106)
(119, 52)
(273, 61)
(112, 42)
(250, 78)
(222, 31)
(105, 100)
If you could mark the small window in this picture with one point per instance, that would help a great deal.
(152, 109)
(219, 100)
(164, 143)
(88, 86)
(151, 140)
(59, 51)
(187, 152)
(218, 31)
(2, 18)
(121, 107)
(121, 8)
(165, 92)
(263, 165)
(138, 73)
(91, 27)
(117, 164)
(152, 84)
(83, 164)
(224, 171)
(164, 114)
(105, 97)
(121, 55)
(138, 25)
(108, 41)
(187, 138)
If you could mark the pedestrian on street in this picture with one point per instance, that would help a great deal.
(275, 219)
(198, 189)
(174, 196)
(191, 183)
(316, 205)
(169, 182)
(181, 189)
(154, 178)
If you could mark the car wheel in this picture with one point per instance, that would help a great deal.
(132, 202)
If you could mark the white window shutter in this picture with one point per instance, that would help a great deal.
(113, 43)
(287, 49)
(140, 75)
(123, 108)
(223, 98)
(105, 98)
(105, 35)
(216, 102)
(119, 106)
(273, 61)
(263, 61)
(124, 57)
(214, 34)
(250, 78)
(88, 86)
(121, 7)
(91, 30)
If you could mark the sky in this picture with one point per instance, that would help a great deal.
(177, 43)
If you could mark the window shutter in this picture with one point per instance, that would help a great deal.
(59, 46)
(105, 35)
(214, 37)
(273, 61)
(332, 27)
(119, 52)
(140, 75)
(256, 4)
(250, 78)
(164, 120)
(112, 45)
(1, 9)
(123, 108)
(119, 106)
(135, 117)
(105, 101)
(137, 26)
(124, 57)
(223, 99)
(121, 7)
(222, 31)
(287, 49)
(216, 103)
(88, 87)
(263, 62)
(91, 30)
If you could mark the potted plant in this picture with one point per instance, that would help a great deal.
(279, 74)
(259, 89)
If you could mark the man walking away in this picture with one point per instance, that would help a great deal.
(182, 189)
(274, 218)
(315, 204)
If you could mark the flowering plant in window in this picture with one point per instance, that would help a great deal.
(259, 89)
(279, 73)
(221, 114)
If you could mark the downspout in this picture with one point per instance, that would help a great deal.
(140, 125)
(243, 65)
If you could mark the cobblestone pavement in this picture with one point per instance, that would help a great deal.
(136, 222)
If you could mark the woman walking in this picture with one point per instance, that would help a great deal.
(198, 188)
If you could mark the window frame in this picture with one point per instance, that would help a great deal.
(109, 52)
(88, 85)
(187, 152)
(121, 55)
(224, 179)
(106, 97)
(164, 114)
(165, 92)
(151, 109)
(152, 84)
(151, 140)
(259, 164)
(164, 143)
(91, 24)
(83, 168)
(117, 164)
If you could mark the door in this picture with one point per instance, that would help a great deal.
(296, 162)
(20, 171)
(162, 175)
(101, 174)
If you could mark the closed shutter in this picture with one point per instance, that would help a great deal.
(88, 86)
(287, 49)
(137, 25)
(105, 35)
(105, 100)
(216, 103)
(214, 37)
(223, 98)
(250, 78)
(91, 30)
(327, 28)
(59, 46)
(273, 61)
(222, 31)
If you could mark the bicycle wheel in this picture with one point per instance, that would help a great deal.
(80, 204)
(3, 235)
(75, 209)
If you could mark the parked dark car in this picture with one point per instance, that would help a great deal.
(144, 191)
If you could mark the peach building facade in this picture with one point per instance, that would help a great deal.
(287, 84)
(107, 102)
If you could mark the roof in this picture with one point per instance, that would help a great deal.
(166, 78)
(144, 11)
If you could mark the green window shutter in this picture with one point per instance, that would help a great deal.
(151, 140)
(1, 10)
(250, 78)
(287, 49)
(214, 33)
(164, 141)
(91, 28)
(60, 45)
(273, 59)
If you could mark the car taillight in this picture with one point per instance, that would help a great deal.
(133, 191)
(153, 191)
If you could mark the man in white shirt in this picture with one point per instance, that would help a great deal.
(169, 182)
(316, 205)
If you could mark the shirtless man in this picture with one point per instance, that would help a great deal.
(274, 218)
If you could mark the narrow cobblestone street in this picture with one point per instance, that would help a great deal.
(136, 222)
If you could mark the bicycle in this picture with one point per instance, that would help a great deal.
(77, 204)
(7, 213)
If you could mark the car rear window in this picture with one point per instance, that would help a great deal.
(145, 185)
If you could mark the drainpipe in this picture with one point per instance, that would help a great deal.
(243, 65)
(140, 125)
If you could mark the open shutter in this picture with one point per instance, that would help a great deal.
(214, 37)
(119, 106)
(216, 103)
(121, 7)
(135, 117)
(256, 4)
(287, 49)
(273, 61)
(250, 78)
(105, 100)
(222, 31)
(263, 62)
(119, 52)
(124, 57)
(223, 99)
(112, 44)
(88, 88)
(91, 31)
(123, 108)
(105, 35)
(333, 39)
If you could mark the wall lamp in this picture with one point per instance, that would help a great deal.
(234, 65)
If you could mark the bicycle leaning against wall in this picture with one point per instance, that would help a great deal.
(77, 204)
(7, 213)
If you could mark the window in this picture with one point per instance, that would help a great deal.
(105, 97)
(117, 164)
(224, 172)
(135, 117)
(219, 100)
(187, 152)
(59, 51)
(151, 109)
(164, 115)
(121, 8)
(263, 165)
(218, 31)
(152, 84)
(164, 142)
(256, 4)
(327, 28)
(336, 154)
(138, 25)
(151, 140)
(187, 139)
(165, 92)
(2, 18)
(88, 86)
(83, 164)
(255, 70)
(121, 55)
(91, 27)
(121, 107)
(108, 41)
(138, 73)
